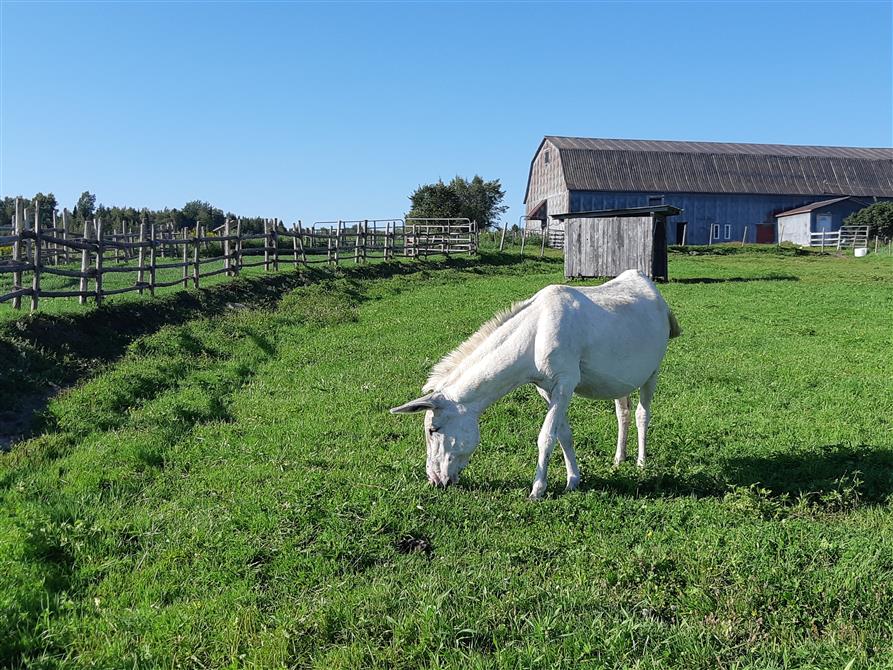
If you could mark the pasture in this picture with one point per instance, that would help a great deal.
(232, 492)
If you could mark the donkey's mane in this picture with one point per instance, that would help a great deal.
(451, 361)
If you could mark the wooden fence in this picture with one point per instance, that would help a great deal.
(38, 252)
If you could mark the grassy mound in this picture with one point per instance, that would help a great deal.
(230, 491)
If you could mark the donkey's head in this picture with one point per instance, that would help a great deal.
(451, 434)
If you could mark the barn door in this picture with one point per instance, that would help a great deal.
(823, 223)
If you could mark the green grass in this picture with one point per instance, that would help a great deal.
(232, 491)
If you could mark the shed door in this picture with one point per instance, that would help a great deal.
(823, 223)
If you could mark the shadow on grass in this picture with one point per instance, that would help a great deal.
(41, 354)
(829, 471)
(723, 280)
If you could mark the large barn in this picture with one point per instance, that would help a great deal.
(721, 188)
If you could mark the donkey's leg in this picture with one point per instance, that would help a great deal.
(621, 407)
(643, 415)
(559, 400)
(566, 440)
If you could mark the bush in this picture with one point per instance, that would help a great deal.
(878, 217)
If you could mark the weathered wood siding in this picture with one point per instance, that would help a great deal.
(795, 228)
(606, 247)
(547, 182)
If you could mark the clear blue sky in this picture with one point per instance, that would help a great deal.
(322, 111)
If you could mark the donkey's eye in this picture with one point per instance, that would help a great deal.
(432, 430)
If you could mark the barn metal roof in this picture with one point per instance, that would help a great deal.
(591, 164)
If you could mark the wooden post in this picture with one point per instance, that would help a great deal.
(185, 260)
(387, 238)
(684, 232)
(710, 235)
(780, 234)
(502, 239)
(274, 240)
(523, 238)
(238, 252)
(99, 260)
(196, 250)
(875, 245)
(366, 240)
(141, 257)
(266, 245)
(85, 263)
(744, 237)
(294, 245)
(226, 248)
(339, 238)
(543, 231)
(35, 277)
(356, 246)
(329, 244)
(17, 253)
(301, 243)
(152, 260)
(65, 228)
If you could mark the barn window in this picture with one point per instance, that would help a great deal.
(728, 231)
(546, 156)
(714, 231)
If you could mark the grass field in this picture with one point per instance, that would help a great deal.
(231, 491)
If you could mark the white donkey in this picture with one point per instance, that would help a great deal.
(599, 341)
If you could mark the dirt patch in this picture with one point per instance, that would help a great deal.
(408, 544)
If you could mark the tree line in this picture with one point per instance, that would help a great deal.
(85, 209)
(476, 199)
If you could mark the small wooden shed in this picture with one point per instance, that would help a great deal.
(608, 242)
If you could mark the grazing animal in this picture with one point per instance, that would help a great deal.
(598, 341)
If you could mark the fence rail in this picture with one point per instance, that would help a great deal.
(847, 237)
(41, 251)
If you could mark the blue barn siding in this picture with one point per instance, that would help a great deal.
(700, 210)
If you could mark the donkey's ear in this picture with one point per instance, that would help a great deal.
(417, 405)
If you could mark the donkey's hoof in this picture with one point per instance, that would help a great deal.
(640, 464)
(537, 492)
(572, 484)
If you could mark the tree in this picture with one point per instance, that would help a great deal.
(477, 200)
(86, 206)
(435, 201)
(878, 217)
(481, 200)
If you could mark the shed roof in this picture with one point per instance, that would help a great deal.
(818, 205)
(667, 210)
(591, 164)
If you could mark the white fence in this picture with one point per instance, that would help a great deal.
(851, 237)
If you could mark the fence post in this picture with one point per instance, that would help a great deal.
(238, 252)
(274, 240)
(366, 240)
(744, 237)
(17, 253)
(294, 244)
(339, 237)
(387, 235)
(99, 253)
(85, 262)
(226, 248)
(152, 260)
(35, 277)
(65, 228)
(543, 231)
(195, 255)
(185, 260)
(502, 239)
(141, 256)
(266, 245)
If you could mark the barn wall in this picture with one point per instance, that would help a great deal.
(795, 228)
(700, 210)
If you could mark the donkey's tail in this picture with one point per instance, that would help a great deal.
(675, 330)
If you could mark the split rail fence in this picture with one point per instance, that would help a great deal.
(160, 256)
